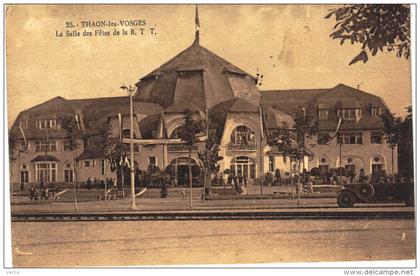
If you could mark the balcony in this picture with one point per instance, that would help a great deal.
(250, 146)
(180, 148)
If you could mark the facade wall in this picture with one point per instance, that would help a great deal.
(23, 161)
(94, 170)
(233, 120)
(361, 155)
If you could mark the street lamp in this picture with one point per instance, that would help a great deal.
(130, 89)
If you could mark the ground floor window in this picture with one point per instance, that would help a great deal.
(271, 163)
(243, 166)
(350, 168)
(46, 171)
(24, 176)
(179, 170)
(376, 168)
(68, 175)
(324, 169)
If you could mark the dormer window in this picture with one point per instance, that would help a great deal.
(376, 111)
(323, 114)
(41, 124)
(23, 124)
(349, 113)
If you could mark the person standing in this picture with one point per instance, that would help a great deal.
(89, 184)
(362, 175)
(96, 184)
(32, 192)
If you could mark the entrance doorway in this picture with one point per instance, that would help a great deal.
(243, 166)
(179, 169)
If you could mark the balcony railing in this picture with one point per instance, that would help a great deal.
(180, 148)
(250, 146)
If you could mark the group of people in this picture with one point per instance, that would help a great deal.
(38, 192)
(100, 184)
(334, 177)
(238, 182)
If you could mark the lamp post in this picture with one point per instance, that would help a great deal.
(130, 89)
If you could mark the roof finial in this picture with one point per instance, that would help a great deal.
(197, 26)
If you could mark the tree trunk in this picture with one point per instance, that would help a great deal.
(205, 183)
(190, 175)
(392, 164)
(75, 179)
(11, 178)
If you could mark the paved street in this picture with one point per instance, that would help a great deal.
(175, 202)
(125, 243)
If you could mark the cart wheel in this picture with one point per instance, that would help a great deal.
(346, 199)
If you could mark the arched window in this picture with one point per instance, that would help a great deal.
(377, 164)
(175, 132)
(242, 135)
(324, 164)
(24, 174)
(243, 166)
(68, 173)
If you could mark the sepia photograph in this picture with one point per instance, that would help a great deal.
(191, 135)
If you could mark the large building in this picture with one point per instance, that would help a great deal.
(241, 117)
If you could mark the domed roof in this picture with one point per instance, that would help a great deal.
(199, 76)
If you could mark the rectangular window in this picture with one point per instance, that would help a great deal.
(46, 172)
(22, 145)
(152, 161)
(67, 145)
(43, 146)
(102, 165)
(51, 123)
(376, 111)
(350, 138)
(24, 176)
(323, 114)
(87, 163)
(376, 168)
(68, 175)
(23, 124)
(324, 168)
(271, 163)
(376, 137)
(323, 138)
(349, 113)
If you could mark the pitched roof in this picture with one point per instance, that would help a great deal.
(275, 119)
(195, 57)
(45, 158)
(340, 96)
(199, 76)
(88, 154)
(92, 112)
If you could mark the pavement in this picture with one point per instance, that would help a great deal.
(177, 206)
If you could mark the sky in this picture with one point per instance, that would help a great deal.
(288, 44)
